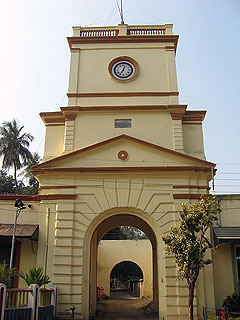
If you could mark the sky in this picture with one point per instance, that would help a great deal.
(35, 57)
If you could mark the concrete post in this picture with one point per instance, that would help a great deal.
(2, 300)
(169, 28)
(33, 300)
(122, 29)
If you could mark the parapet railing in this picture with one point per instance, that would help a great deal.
(146, 32)
(123, 30)
(98, 33)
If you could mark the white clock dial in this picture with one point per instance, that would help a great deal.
(123, 70)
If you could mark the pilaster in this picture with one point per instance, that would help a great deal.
(67, 260)
(69, 133)
(177, 132)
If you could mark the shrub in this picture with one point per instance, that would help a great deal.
(6, 274)
(35, 276)
(231, 304)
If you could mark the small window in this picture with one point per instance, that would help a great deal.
(123, 123)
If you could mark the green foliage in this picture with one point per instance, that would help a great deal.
(14, 146)
(8, 186)
(6, 274)
(232, 304)
(35, 276)
(33, 184)
(133, 233)
(7, 183)
(124, 233)
(188, 242)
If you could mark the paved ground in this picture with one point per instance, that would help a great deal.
(123, 306)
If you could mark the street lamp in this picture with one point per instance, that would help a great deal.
(20, 206)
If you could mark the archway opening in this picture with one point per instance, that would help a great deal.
(126, 279)
(106, 224)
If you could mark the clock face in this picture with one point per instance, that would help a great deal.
(123, 70)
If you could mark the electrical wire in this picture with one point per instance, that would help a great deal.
(110, 14)
(101, 14)
(143, 9)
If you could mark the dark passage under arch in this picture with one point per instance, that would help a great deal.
(127, 276)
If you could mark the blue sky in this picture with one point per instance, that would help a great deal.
(34, 63)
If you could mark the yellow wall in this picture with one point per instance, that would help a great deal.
(111, 252)
(159, 127)
(93, 68)
(54, 141)
(223, 274)
(193, 140)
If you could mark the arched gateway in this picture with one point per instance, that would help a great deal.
(122, 152)
(103, 224)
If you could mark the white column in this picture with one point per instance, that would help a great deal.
(2, 300)
(33, 300)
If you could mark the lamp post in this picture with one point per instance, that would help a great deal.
(20, 206)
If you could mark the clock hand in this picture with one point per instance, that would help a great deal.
(122, 70)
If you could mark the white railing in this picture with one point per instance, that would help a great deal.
(98, 33)
(122, 30)
(146, 32)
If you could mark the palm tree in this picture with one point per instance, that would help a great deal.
(14, 146)
(27, 171)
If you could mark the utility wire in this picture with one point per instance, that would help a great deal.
(101, 14)
(110, 14)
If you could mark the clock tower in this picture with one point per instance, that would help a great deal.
(122, 152)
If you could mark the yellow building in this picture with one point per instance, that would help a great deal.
(122, 152)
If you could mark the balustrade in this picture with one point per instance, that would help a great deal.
(85, 33)
(99, 33)
(145, 32)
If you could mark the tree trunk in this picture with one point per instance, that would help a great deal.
(15, 177)
(191, 288)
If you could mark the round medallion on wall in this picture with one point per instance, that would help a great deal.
(123, 155)
(123, 69)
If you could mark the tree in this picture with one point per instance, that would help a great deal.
(124, 233)
(133, 233)
(14, 146)
(27, 173)
(7, 184)
(188, 241)
(231, 304)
